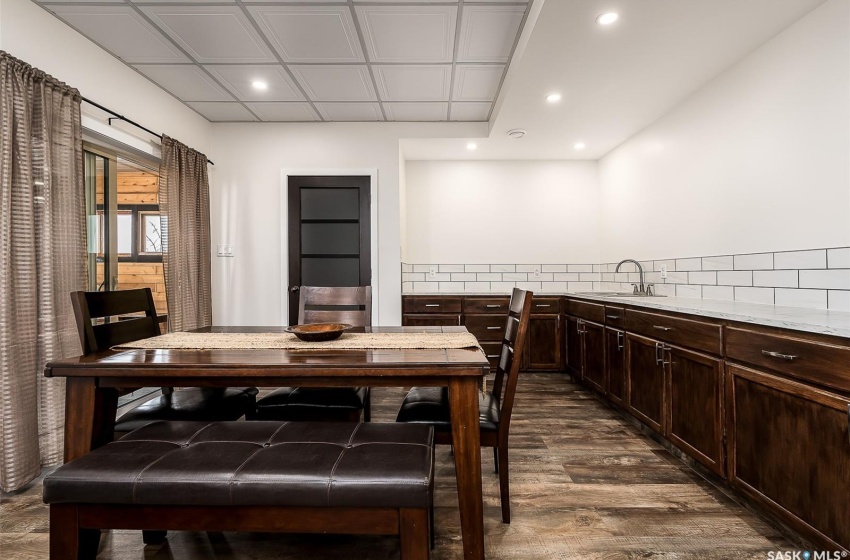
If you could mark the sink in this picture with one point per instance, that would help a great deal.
(616, 294)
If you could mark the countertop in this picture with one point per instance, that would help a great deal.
(821, 321)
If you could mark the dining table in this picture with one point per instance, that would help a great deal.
(93, 384)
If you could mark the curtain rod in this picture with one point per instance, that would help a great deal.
(125, 119)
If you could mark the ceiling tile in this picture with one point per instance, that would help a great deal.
(310, 33)
(413, 83)
(416, 111)
(220, 111)
(284, 112)
(408, 33)
(487, 33)
(476, 82)
(239, 77)
(211, 34)
(352, 112)
(474, 111)
(335, 83)
(187, 82)
(122, 31)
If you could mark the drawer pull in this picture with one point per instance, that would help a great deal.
(432, 305)
(660, 328)
(542, 305)
(615, 317)
(619, 340)
(492, 355)
(772, 354)
(493, 306)
(493, 328)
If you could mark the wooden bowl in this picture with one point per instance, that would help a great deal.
(318, 332)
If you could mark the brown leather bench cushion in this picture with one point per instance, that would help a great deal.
(306, 464)
(430, 405)
(191, 404)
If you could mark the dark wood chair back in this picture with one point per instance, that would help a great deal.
(315, 305)
(513, 345)
(97, 305)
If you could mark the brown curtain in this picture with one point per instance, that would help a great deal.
(184, 202)
(42, 239)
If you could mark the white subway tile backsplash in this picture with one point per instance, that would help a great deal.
(724, 262)
(754, 295)
(422, 267)
(579, 268)
(489, 276)
(627, 267)
(544, 277)
(439, 277)
(590, 277)
(726, 293)
(527, 267)
(426, 287)
(668, 290)
(775, 278)
(451, 268)
(838, 279)
(838, 258)
(677, 278)
(598, 268)
(451, 286)
(406, 267)
(580, 286)
(406, 287)
(502, 287)
(608, 277)
(670, 264)
(800, 259)
(533, 286)
(502, 268)
(476, 268)
(554, 268)
(553, 286)
(464, 277)
(757, 261)
(709, 277)
(686, 290)
(688, 264)
(413, 277)
(565, 276)
(515, 276)
(813, 299)
(650, 277)
(838, 300)
(473, 287)
(735, 278)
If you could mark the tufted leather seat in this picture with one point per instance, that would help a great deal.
(195, 403)
(311, 403)
(308, 464)
(430, 405)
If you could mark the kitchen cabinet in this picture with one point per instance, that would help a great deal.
(431, 311)
(574, 347)
(544, 347)
(645, 380)
(593, 340)
(615, 365)
(486, 318)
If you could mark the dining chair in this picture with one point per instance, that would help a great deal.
(350, 305)
(430, 405)
(191, 403)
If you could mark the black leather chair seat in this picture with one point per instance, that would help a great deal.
(302, 464)
(297, 403)
(191, 404)
(430, 405)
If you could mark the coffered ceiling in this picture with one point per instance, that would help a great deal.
(354, 60)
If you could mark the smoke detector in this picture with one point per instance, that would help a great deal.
(516, 133)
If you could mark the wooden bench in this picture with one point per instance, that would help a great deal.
(293, 477)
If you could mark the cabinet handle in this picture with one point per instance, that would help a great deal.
(542, 305)
(619, 340)
(493, 328)
(493, 306)
(615, 317)
(432, 305)
(492, 355)
(660, 328)
(772, 354)
(666, 350)
(659, 351)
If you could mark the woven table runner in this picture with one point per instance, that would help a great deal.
(287, 341)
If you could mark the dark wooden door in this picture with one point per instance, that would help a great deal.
(790, 448)
(593, 336)
(615, 364)
(329, 234)
(544, 342)
(574, 346)
(645, 376)
(695, 406)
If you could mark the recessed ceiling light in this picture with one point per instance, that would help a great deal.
(259, 84)
(472, 146)
(579, 146)
(553, 97)
(607, 18)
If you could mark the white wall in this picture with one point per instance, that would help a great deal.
(246, 205)
(478, 212)
(757, 160)
(31, 34)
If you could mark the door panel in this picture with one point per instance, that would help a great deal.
(544, 342)
(615, 350)
(645, 375)
(594, 355)
(574, 347)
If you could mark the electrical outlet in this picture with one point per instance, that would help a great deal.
(223, 250)
(537, 272)
(663, 271)
(432, 272)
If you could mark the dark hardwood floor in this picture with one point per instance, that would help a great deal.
(584, 484)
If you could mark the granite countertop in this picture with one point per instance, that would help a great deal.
(821, 321)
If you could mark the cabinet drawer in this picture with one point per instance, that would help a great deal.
(486, 327)
(615, 316)
(545, 305)
(492, 351)
(486, 305)
(586, 310)
(430, 320)
(429, 304)
(683, 332)
(816, 362)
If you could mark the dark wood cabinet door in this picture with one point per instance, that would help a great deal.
(544, 342)
(789, 448)
(645, 380)
(574, 347)
(695, 406)
(430, 320)
(615, 365)
(594, 355)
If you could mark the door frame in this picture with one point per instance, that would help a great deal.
(285, 174)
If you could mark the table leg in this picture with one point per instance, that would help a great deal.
(466, 437)
(89, 416)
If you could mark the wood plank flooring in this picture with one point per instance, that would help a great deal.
(584, 484)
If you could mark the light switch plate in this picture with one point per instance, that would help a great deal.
(432, 271)
(663, 271)
(537, 272)
(223, 250)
